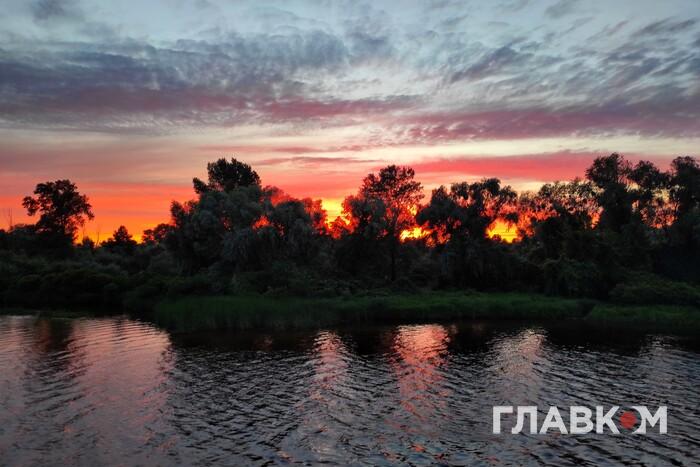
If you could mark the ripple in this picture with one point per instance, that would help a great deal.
(116, 391)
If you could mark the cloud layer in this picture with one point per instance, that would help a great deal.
(317, 94)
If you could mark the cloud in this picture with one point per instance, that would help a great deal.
(44, 10)
(492, 63)
(561, 8)
(131, 84)
(317, 162)
(258, 149)
(665, 26)
(369, 69)
(657, 116)
(545, 167)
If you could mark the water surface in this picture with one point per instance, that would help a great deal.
(115, 391)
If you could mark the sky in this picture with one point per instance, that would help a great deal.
(131, 99)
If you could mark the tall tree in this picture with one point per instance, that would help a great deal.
(685, 185)
(63, 210)
(650, 187)
(610, 175)
(559, 217)
(684, 191)
(458, 220)
(226, 176)
(385, 207)
(468, 209)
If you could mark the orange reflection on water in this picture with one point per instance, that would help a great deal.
(330, 363)
(420, 354)
(521, 361)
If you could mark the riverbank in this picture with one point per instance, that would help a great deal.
(255, 311)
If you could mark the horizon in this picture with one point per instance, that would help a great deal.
(130, 103)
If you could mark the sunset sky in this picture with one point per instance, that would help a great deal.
(131, 99)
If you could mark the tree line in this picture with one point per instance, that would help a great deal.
(628, 232)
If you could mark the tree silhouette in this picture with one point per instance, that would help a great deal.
(156, 235)
(226, 176)
(62, 209)
(458, 220)
(385, 207)
(685, 185)
(610, 175)
(684, 191)
(628, 230)
(648, 194)
(468, 209)
(558, 217)
(121, 241)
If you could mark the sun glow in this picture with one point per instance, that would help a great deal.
(507, 232)
(414, 233)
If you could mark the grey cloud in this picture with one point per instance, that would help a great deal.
(662, 113)
(44, 10)
(561, 8)
(492, 63)
(297, 72)
(505, 60)
(666, 26)
(245, 76)
(608, 31)
(514, 5)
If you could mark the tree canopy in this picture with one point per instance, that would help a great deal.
(62, 209)
(225, 176)
(624, 224)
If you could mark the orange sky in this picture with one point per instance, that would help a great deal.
(141, 205)
(131, 99)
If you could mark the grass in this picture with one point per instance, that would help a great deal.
(196, 313)
(246, 312)
(656, 316)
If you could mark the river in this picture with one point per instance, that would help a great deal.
(118, 391)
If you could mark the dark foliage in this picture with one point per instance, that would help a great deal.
(628, 233)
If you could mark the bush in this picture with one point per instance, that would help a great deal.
(571, 278)
(143, 298)
(647, 289)
(199, 284)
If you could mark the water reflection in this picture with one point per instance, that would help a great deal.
(89, 387)
(520, 365)
(118, 391)
(417, 358)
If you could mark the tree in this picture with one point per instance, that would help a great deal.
(610, 175)
(559, 217)
(121, 241)
(226, 176)
(468, 209)
(157, 234)
(684, 193)
(648, 194)
(62, 209)
(385, 207)
(458, 220)
(685, 185)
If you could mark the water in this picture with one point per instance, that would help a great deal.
(116, 391)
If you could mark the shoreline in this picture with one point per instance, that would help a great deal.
(261, 312)
(226, 312)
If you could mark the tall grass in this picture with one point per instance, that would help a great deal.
(657, 316)
(245, 312)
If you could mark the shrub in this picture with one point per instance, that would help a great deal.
(571, 278)
(646, 289)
